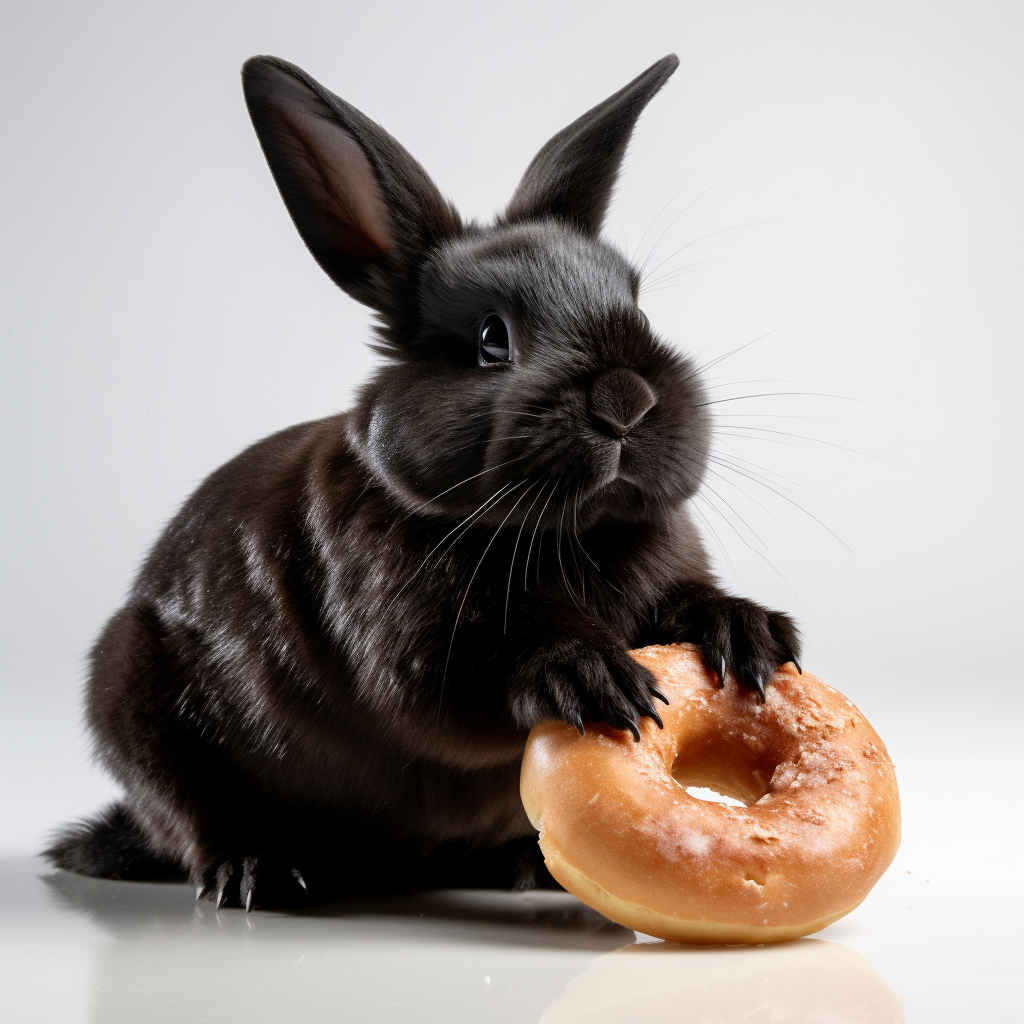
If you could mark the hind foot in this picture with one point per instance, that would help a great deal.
(253, 881)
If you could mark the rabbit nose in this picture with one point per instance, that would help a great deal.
(619, 400)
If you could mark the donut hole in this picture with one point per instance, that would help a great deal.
(722, 775)
(712, 796)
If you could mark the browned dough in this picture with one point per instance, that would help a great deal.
(619, 830)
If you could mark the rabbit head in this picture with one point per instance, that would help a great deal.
(520, 368)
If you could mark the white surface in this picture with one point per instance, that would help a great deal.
(937, 939)
(858, 166)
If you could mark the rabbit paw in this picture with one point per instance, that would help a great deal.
(739, 635)
(579, 683)
(252, 881)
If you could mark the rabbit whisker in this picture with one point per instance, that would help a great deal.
(759, 554)
(533, 537)
(490, 469)
(485, 440)
(749, 497)
(481, 510)
(735, 431)
(785, 497)
(711, 234)
(464, 526)
(578, 538)
(740, 348)
(730, 507)
(779, 394)
(724, 416)
(576, 560)
(699, 196)
(726, 383)
(714, 533)
(654, 283)
(766, 474)
(469, 586)
(530, 410)
(572, 536)
(515, 549)
(662, 288)
(636, 252)
(489, 413)
(558, 547)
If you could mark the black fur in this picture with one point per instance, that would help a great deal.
(111, 845)
(325, 673)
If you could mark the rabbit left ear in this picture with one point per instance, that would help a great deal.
(572, 177)
(364, 207)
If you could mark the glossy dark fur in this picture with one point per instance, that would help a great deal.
(324, 676)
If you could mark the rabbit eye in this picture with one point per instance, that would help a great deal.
(493, 342)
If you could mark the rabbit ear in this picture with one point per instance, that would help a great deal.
(572, 177)
(362, 204)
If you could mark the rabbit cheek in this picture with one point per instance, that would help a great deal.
(395, 459)
(382, 446)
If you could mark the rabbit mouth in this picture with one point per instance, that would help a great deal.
(618, 475)
(619, 498)
(615, 491)
(606, 479)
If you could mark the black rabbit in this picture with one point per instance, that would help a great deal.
(324, 676)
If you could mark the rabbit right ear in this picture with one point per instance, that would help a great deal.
(572, 177)
(364, 207)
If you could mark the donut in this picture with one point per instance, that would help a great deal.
(620, 827)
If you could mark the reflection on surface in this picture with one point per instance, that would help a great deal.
(445, 956)
(808, 981)
(540, 918)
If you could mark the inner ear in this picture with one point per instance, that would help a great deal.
(324, 176)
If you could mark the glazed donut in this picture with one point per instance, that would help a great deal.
(619, 829)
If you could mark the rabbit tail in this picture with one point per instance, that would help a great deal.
(110, 845)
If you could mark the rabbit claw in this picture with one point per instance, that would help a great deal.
(251, 881)
(749, 640)
(587, 684)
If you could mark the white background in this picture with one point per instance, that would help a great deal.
(855, 175)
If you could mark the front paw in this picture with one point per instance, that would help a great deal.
(732, 633)
(251, 882)
(577, 683)
(739, 635)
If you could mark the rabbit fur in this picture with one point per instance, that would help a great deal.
(324, 675)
